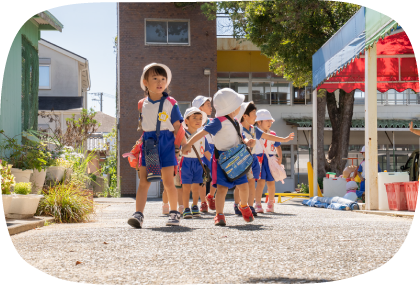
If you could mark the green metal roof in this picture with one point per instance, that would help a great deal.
(47, 21)
(306, 122)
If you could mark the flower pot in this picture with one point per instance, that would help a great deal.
(23, 206)
(69, 172)
(7, 200)
(22, 175)
(38, 179)
(55, 173)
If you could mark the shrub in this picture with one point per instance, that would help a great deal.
(7, 178)
(66, 204)
(23, 188)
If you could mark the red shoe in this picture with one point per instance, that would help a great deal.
(211, 202)
(220, 220)
(204, 208)
(246, 213)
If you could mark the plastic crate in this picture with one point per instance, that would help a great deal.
(400, 198)
(390, 193)
(411, 191)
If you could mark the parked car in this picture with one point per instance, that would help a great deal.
(412, 166)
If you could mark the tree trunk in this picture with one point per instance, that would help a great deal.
(321, 107)
(341, 115)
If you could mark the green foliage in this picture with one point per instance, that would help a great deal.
(289, 32)
(304, 188)
(78, 130)
(23, 188)
(79, 177)
(7, 178)
(31, 153)
(66, 203)
(321, 182)
(110, 167)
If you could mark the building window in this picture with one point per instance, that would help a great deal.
(44, 77)
(183, 106)
(167, 32)
(390, 97)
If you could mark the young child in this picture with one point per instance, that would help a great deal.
(154, 80)
(227, 103)
(361, 173)
(272, 144)
(190, 166)
(204, 104)
(246, 117)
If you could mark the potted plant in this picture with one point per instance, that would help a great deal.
(7, 182)
(24, 204)
(57, 168)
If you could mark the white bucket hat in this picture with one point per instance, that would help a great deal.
(191, 111)
(200, 100)
(226, 101)
(363, 149)
(263, 115)
(168, 73)
(242, 111)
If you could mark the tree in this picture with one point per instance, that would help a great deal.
(289, 32)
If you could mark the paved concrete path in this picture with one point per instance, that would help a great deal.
(297, 244)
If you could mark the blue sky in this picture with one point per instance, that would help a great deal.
(89, 31)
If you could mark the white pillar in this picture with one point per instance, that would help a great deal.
(371, 132)
(315, 140)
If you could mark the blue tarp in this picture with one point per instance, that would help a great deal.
(334, 203)
(340, 49)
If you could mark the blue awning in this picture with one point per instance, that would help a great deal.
(340, 49)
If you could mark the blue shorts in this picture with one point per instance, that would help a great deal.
(360, 192)
(265, 169)
(191, 171)
(166, 148)
(219, 177)
(256, 169)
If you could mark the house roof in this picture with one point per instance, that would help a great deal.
(107, 122)
(47, 21)
(61, 49)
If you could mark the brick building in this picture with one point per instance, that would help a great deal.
(184, 40)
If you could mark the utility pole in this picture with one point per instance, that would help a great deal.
(100, 94)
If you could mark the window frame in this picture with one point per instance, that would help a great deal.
(167, 36)
(45, 87)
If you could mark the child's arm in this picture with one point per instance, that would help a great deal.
(279, 154)
(207, 154)
(195, 138)
(414, 131)
(177, 125)
(250, 142)
(273, 138)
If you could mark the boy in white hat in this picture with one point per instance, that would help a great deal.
(154, 81)
(204, 104)
(227, 103)
(190, 167)
(246, 117)
(361, 173)
(270, 143)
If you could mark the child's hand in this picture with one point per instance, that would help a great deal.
(279, 160)
(291, 137)
(186, 149)
(251, 143)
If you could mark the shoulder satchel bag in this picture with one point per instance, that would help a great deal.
(151, 151)
(206, 170)
(236, 161)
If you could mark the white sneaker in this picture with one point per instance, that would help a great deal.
(174, 217)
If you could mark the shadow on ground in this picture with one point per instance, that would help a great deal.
(285, 280)
(248, 227)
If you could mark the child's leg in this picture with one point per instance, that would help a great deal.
(186, 189)
(165, 197)
(168, 184)
(202, 193)
(213, 190)
(236, 195)
(195, 192)
(259, 191)
(251, 186)
(243, 193)
(141, 195)
(220, 199)
(180, 195)
(271, 188)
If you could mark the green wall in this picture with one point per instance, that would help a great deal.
(10, 114)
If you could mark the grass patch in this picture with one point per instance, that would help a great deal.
(66, 203)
